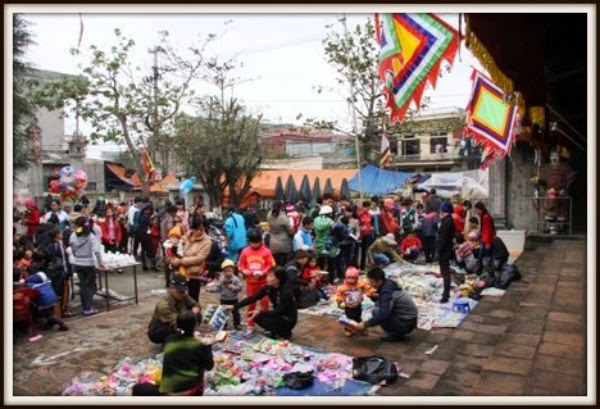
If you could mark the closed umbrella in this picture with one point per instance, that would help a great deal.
(279, 193)
(291, 193)
(328, 190)
(344, 190)
(304, 193)
(316, 192)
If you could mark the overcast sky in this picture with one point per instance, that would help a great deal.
(282, 54)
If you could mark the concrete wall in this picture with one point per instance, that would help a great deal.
(521, 214)
(52, 130)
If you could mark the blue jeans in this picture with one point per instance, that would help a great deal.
(233, 255)
(381, 259)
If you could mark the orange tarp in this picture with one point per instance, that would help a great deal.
(264, 182)
(119, 171)
(162, 185)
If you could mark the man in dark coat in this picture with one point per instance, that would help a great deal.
(445, 246)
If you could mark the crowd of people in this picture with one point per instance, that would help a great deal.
(283, 263)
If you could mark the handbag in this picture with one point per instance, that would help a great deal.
(374, 369)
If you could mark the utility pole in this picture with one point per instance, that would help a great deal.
(155, 129)
(354, 121)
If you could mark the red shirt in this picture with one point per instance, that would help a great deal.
(32, 221)
(390, 224)
(252, 260)
(307, 272)
(410, 242)
(488, 230)
(365, 224)
(103, 224)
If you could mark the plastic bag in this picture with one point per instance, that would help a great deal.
(375, 370)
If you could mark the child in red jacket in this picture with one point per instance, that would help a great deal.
(312, 272)
(411, 247)
(254, 263)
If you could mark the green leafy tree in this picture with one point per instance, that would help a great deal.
(220, 146)
(355, 56)
(121, 104)
(24, 106)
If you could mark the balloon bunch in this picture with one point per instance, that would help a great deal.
(71, 183)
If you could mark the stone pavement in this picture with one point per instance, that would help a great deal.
(531, 341)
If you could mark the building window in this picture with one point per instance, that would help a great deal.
(411, 147)
(91, 186)
(438, 145)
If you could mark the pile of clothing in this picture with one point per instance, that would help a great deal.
(245, 364)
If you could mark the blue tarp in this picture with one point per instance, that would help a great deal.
(377, 181)
(351, 387)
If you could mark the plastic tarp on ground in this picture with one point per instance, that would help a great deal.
(470, 184)
(376, 181)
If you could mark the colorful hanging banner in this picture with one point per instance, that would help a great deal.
(386, 154)
(491, 121)
(412, 49)
(148, 166)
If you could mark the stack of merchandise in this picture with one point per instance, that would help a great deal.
(245, 364)
(423, 284)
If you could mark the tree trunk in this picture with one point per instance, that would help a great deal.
(135, 155)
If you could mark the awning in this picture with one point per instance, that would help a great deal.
(264, 182)
(115, 178)
(377, 181)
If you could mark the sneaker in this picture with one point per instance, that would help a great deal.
(347, 332)
(63, 327)
(87, 313)
(250, 330)
(444, 301)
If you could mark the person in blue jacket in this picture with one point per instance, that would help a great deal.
(235, 230)
(47, 297)
(395, 311)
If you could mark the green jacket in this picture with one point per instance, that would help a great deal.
(322, 228)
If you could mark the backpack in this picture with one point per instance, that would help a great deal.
(340, 231)
(374, 369)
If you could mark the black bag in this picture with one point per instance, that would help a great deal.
(506, 275)
(299, 380)
(374, 369)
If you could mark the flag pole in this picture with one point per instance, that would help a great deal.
(354, 123)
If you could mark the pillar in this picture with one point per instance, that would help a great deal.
(498, 192)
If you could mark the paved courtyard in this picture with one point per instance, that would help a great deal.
(531, 341)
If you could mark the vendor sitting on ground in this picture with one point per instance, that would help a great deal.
(281, 320)
(411, 247)
(465, 256)
(500, 253)
(186, 358)
(383, 251)
(175, 301)
(394, 310)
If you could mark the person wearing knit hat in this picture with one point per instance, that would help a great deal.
(228, 286)
(350, 295)
(445, 247)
